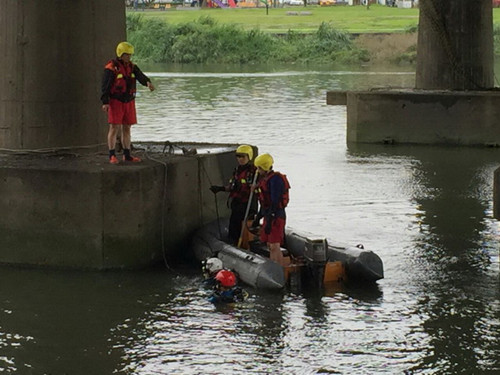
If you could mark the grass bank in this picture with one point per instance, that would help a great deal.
(351, 19)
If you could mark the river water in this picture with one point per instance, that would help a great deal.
(427, 212)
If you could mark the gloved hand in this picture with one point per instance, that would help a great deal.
(255, 223)
(235, 185)
(215, 189)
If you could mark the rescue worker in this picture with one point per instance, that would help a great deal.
(272, 192)
(118, 98)
(226, 290)
(210, 268)
(239, 191)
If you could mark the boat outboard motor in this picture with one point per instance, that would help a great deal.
(316, 256)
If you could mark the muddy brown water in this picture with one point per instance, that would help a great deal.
(427, 211)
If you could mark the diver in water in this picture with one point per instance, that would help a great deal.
(225, 290)
(210, 267)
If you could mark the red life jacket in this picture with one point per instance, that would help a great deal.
(124, 85)
(241, 181)
(265, 194)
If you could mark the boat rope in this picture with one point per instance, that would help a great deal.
(215, 197)
(163, 204)
(48, 150)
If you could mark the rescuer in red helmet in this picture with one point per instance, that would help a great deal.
(226, 289)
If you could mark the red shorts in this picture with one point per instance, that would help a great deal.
(277, 231)
(120, 113)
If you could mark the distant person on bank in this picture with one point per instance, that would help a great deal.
(118, 99)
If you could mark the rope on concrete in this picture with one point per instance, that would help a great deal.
(163, 204)
(49, 150)
(215, 197)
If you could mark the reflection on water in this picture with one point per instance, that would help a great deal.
(454, 256)
(426, 211)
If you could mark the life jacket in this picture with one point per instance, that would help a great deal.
(264, 193)
(241, 182)
(124, 85)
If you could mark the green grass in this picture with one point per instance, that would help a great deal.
(353, 19)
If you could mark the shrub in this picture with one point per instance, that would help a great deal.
(496, 39)
(206, 41)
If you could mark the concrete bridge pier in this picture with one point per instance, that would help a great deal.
(452, 102)
(53, 57)
(84, 213)
(455, 45)
(67, 206)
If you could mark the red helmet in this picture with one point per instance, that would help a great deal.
(226, 278)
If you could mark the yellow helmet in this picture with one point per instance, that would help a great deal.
(245, 149)
(124, 47)
(264, 161)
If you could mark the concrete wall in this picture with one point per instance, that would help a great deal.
(427, 117)
(79, 213)
(53, 56)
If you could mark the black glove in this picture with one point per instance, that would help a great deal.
(215, 189)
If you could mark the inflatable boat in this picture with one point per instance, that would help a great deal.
(312, 259)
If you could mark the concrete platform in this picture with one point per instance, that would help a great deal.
(469, 118)
(79, 211)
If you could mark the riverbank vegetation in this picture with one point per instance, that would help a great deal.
(207, 41)
(285, 35)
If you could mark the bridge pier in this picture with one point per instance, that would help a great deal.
(51, 74)
(67, 206)
(455, 45)
(79, 211)
(466, 118)
(452, 102)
